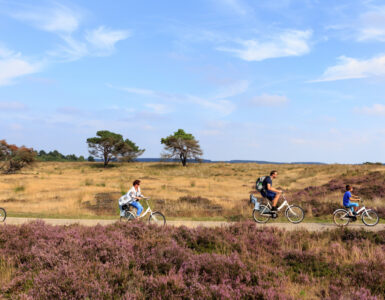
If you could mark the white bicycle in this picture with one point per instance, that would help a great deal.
(155, 217)
(293, 213)
(342, 217)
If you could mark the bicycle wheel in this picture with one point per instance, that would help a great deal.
(370, 217)
(294, 214)
(157, 218)
(262, 215)
(341, 217)
(128, 216)
(3, 214)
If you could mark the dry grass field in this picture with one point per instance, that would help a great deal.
(217, 190)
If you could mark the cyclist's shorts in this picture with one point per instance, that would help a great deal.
(351, 205)
(269, 195)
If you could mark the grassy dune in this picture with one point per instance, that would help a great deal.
(201, 190)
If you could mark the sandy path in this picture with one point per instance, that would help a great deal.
(193, 224)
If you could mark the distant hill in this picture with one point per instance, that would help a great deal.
(234, 161)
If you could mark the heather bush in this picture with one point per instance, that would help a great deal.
(137, 261)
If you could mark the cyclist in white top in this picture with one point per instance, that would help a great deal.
(132, 198)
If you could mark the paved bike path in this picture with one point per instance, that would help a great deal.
(193, 224)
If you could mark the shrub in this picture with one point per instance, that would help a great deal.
(13, 158)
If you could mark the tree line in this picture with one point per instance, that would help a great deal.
(57, 156)
(107, 146)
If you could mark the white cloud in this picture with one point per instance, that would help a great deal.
(375, 110)
(12, 106)
(350, 68)
(58, 18)
(105, 39)
(268, 100)
(13, 65)
(286, 43)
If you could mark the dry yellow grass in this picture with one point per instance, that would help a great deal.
(87, 189)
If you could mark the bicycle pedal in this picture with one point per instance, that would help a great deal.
(274, 215)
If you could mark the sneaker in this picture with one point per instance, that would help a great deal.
(354, 213)
(274, 208)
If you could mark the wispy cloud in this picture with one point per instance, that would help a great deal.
(225, 107)
(368, 25)
(73, 49)
(374, 110)
(69, 110)
(104, 39)
(7, 106)
(142, 92)
(13, 65)
(286, 43)
(268, 100)
(236, 88)
(158, 108)
(372, 25)
(65, 23)
(57, 18)
(351, 68)
(215, 102)
(236, 6)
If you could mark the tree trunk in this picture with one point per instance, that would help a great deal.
(105, 158)
(183, 158)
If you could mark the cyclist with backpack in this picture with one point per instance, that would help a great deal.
(265, 187)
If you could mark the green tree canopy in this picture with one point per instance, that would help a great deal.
(181, 145)
(109, 145)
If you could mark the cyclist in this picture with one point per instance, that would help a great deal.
(269, 192)
(353, 206)
(132, 198)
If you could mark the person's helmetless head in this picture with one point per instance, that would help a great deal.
(136, 183)
(349, 187)
(273, 174)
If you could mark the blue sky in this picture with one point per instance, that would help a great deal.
(263, 80)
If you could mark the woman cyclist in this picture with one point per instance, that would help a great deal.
(132, 198)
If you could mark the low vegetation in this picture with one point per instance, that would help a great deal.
(38, 261)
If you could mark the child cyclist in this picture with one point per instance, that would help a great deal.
(347, 197)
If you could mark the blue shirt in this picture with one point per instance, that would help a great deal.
(346, 199)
